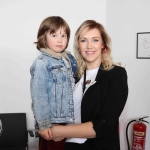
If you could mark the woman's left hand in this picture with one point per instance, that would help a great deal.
(56, 137)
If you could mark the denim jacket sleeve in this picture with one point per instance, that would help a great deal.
(73, 64)
(39, 93)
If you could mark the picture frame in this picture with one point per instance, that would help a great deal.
(143, 45)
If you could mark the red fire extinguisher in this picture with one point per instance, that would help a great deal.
(139, 134)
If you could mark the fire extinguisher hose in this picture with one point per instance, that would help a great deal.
(127, 133)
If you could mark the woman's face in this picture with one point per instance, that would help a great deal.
(90, 45)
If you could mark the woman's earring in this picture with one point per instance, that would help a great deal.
(104, 50)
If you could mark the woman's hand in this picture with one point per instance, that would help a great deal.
(83, 130)
(51, 133)
(55, 131)
(46, 133)
(58, 132)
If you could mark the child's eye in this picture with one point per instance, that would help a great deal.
(95, 40)
(64, 36)
(54, 35)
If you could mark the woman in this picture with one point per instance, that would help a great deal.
(100, 93)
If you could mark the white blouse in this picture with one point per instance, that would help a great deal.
(77, 97)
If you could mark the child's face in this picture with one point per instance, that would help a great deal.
(57, 41)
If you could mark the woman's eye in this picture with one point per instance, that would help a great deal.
(82, 41)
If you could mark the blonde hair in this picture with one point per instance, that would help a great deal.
(51, 24)
(106, 57)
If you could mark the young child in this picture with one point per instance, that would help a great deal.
(52, 80)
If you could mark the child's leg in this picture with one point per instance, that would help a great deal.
(42, 144)
(51, 145)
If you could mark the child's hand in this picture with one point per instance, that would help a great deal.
(46, 133)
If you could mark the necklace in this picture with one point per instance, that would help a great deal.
(83, 87)
(85, 82)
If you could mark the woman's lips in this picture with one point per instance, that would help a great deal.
(90, 52)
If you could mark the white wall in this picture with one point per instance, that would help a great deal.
(19, 23)
(124, 19)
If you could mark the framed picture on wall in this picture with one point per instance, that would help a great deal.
(143, 45)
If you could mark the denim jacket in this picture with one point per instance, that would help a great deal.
(51, 89)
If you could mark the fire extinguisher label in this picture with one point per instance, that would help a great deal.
(138, 133)
(138, 143)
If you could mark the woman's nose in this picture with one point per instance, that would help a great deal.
(89, 45)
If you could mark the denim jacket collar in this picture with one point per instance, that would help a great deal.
(56, 55)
